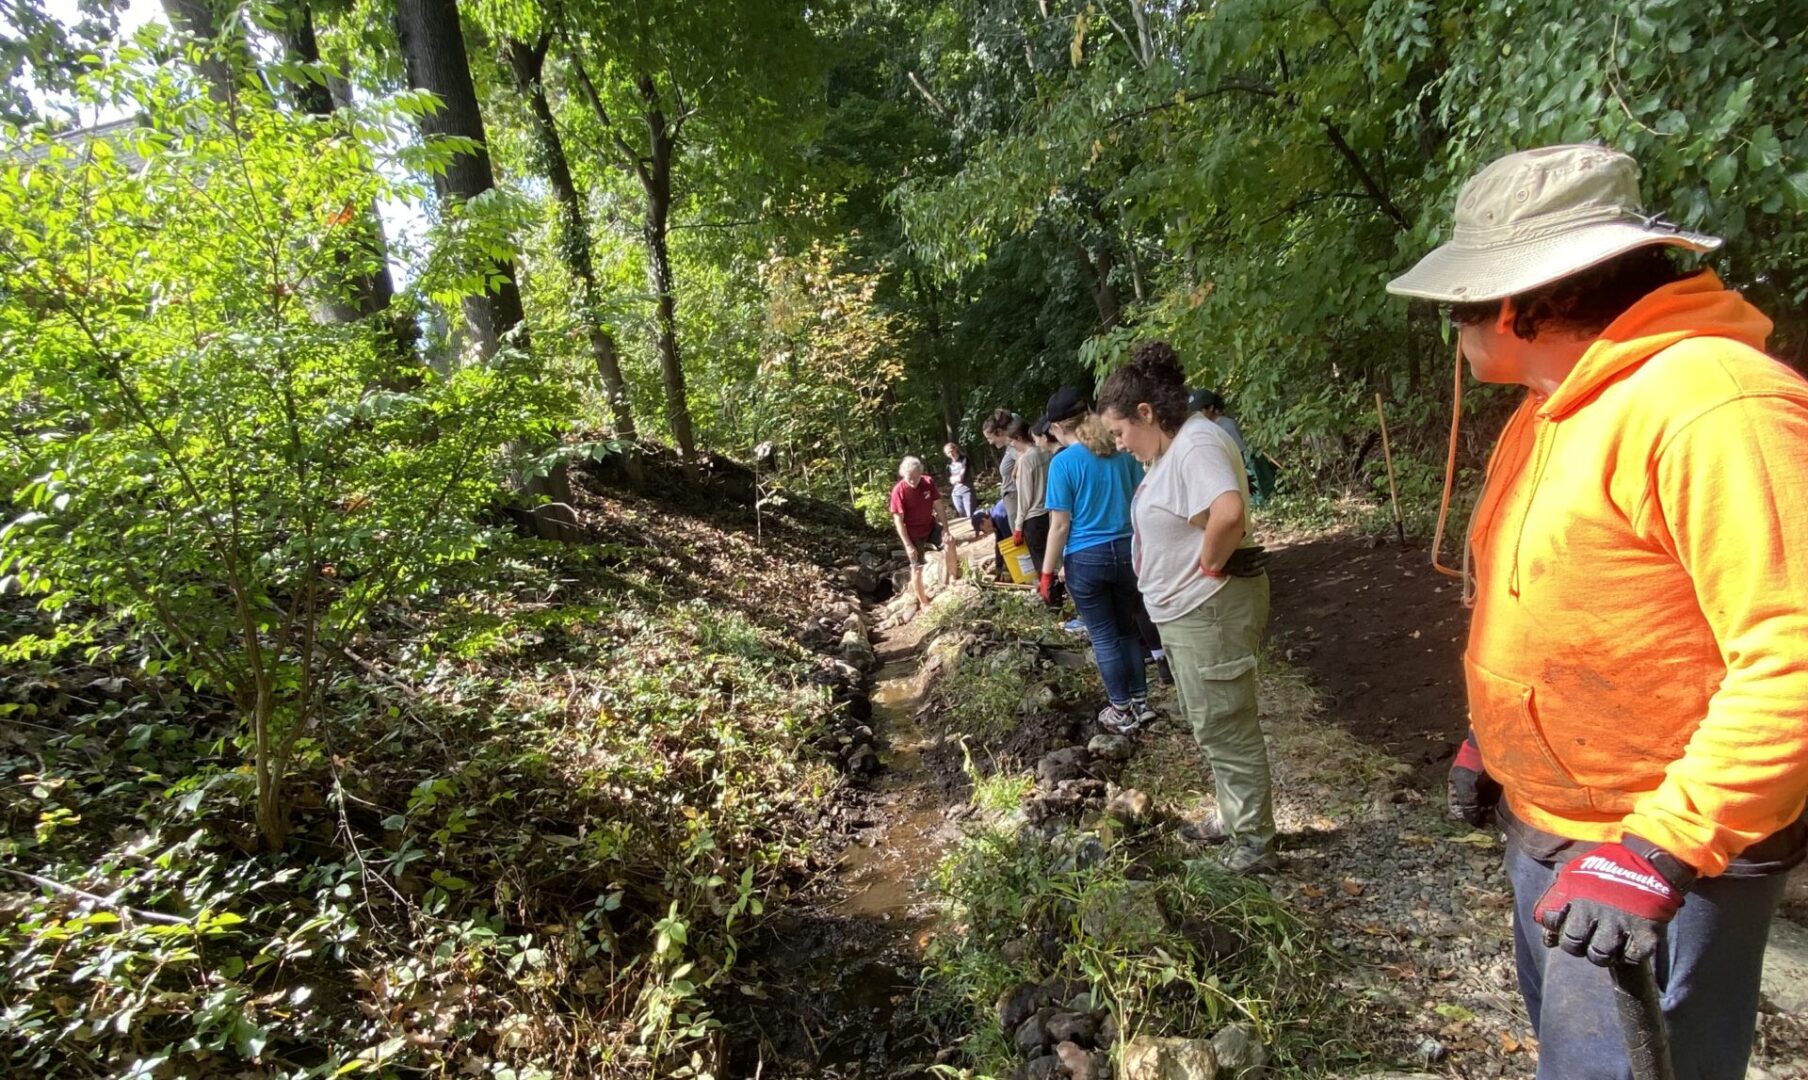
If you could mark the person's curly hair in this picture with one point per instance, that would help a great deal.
(1153, 376)
(1587, 301)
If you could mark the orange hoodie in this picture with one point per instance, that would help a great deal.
(1638, 656)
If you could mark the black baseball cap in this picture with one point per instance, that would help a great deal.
(1203, 399)
(1065, 404)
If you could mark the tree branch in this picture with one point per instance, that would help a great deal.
(934, 103)
(1366, 178)
(715, 224)
(631, 157)
(1228, 86)
(126, 914)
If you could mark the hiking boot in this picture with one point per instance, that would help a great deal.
(1144, 713)
(1118, 720)
(1249, 857)
(1164, 672)
(1207, 830)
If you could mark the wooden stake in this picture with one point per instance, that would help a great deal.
(1387, 454)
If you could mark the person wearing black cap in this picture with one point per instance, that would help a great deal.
(1212, 404)
(1262, 470)
(1090, 487)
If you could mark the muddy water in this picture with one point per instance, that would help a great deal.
(882, 875)
(840, 973)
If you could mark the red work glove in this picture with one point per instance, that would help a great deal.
(1608, 904)
(1046, 588)
(1017, 537)
(1473, 793)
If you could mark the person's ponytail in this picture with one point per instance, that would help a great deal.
(1090, 431)
(1152, 376)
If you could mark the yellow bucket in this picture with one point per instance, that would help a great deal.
(1018, 561)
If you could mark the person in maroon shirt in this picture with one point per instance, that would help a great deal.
(916, 511)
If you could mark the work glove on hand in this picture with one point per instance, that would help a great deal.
(1608, 904)
(1017, 537)
(1049, 588)
(1473, 793)
(1247, 562)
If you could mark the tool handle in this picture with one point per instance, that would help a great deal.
(1641, 1012)
(1387, 454)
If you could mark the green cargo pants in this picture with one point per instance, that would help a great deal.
(1212, 650)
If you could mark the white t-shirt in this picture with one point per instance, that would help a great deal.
(1201, 464)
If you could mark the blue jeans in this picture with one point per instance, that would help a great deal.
(963, 501)
(1708, 960)
(1103, 585)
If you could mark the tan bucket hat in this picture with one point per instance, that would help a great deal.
(1536, 216)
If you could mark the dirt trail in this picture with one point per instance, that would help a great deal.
(1380, 633)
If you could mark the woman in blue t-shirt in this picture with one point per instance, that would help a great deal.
(1090, 487)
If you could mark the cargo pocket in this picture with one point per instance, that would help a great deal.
(1514, 748)
(1225, 716)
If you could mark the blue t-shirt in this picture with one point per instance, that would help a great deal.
(1096, 491)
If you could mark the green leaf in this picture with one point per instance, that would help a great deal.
(1797, 186)
(1764, 150)
(1722, 173)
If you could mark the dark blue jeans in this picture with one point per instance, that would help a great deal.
(1708, 961)
(1103, 585)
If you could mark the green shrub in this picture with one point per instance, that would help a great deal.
(198, 454)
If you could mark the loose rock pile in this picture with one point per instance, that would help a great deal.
(1060, 1030)
(1074, 781)
(846, 737)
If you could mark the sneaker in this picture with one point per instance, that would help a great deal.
(1074, 626)
(1141, 709)
(1207, 830)
(1249, 857)
(1117, 719)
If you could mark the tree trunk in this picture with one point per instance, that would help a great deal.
(656, 179)
(1097, 270)
(434, 48)
(951, 411)
(373, 291)
(221, 61)
(947, 383)
(528, 61)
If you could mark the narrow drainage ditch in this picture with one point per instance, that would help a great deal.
(881, 876)
(839, 974)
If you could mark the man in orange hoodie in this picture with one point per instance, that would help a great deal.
(1638, 655)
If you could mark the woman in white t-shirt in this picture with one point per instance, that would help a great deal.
(1201, 577)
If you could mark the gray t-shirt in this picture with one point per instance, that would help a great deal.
(1032, 487)
(1007, 475)
(1201, 464)
(1236, 434)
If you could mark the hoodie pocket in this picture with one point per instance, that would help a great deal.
(1513, 746)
